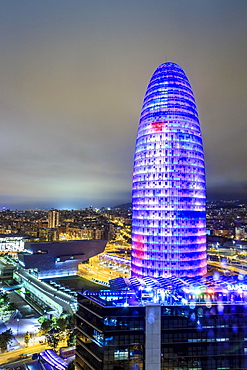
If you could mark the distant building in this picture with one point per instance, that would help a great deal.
(12, 243)
(47, 299)
(6, 269)
(61, 258)
(221, 232)
(240, 232)
(53, 218)
(84, 233)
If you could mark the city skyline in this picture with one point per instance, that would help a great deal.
(72, 82)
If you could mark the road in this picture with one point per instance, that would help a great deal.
(13, 356)
(235, 269)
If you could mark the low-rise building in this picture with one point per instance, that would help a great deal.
(53, 259)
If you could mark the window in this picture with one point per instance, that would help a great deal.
(121, 354)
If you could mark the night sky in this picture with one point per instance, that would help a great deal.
(73, 75)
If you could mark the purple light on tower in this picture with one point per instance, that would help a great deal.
(169, 192)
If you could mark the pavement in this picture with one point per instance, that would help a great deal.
(19, 328)
(17, 346)
(14, 342)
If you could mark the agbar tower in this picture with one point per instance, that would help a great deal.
(168, 194)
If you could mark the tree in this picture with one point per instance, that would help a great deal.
(46, 325)
(62, 323)
(64, 326)
(52, 340)
(71, 338)
(4, 298)
(57, 329)
(27, 338)
(5, 339)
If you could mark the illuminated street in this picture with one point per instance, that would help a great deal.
(13, 356)
(226, 267)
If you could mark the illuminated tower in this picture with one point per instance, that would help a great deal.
(168, 194)
(53, 218)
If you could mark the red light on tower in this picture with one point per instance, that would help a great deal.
(158, 125)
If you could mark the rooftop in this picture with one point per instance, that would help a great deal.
(216, 289)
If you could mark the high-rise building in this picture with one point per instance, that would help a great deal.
(53, 218)
(167, 316)
(168, 194)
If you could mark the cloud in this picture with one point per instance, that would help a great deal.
(73, 78)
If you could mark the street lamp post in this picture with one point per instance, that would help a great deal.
(17, 329)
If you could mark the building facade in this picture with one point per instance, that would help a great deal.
(164, 325)
(168, 193)
(53, 218)
(12, 243)
(54, 259)
(47, 299)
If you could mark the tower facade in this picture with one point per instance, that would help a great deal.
(53, 218)
(168, 193)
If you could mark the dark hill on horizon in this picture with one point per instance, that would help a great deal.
(123, 206)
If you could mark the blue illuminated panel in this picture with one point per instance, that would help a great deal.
(168, 194)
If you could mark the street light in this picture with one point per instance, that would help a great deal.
(17, 330)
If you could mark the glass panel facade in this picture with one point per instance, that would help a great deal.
(203, 336)
(110, 338)
(168, 194)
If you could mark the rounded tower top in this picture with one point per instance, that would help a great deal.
(170, 71)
